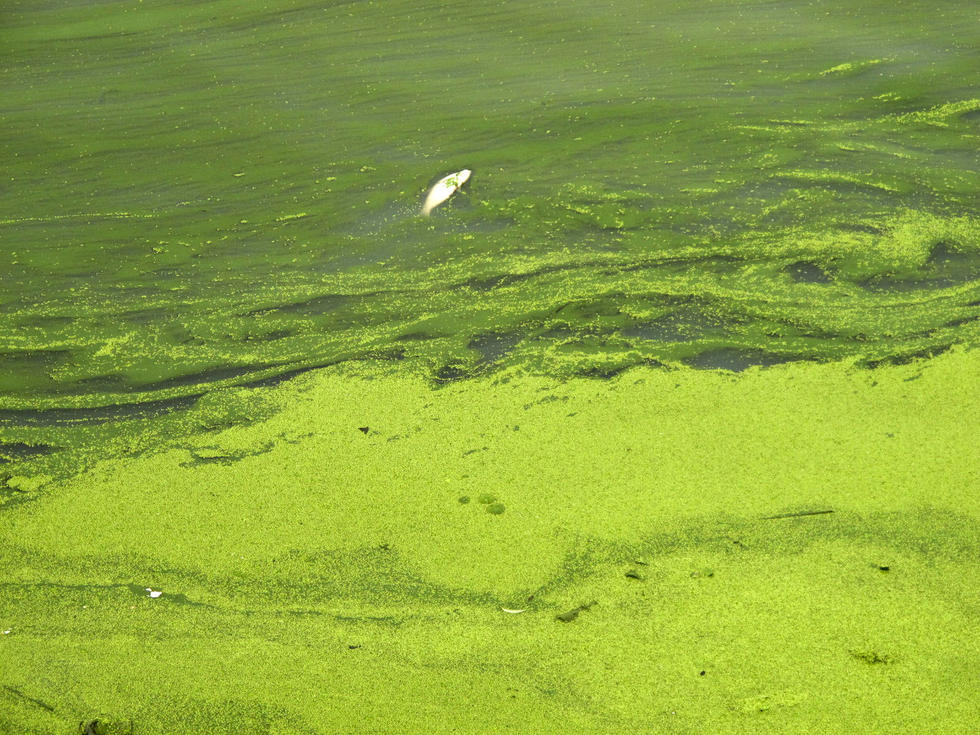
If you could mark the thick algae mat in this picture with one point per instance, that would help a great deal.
(685, 377)
(791, 550)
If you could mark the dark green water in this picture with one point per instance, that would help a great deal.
(204, 195)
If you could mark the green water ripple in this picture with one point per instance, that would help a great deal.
(234, 197)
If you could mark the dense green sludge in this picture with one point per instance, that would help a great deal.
(334, 581)
(692, 363)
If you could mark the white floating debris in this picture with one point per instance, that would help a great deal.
(154, 593)
(7, 631)
(512, 612)
(443, 189)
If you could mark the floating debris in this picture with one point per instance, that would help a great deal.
(513, 611)
(567, 617)
(801, 514)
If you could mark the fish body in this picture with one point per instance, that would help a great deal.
(443, 189)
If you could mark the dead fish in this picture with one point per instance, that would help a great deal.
(443, 189)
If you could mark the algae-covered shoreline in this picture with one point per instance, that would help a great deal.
(791, 549)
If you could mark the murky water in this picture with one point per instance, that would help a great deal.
(196, 197)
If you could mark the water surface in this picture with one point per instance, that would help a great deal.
(210, 195)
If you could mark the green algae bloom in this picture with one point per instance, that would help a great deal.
(668, 425)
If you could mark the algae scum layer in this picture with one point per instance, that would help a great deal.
(665, 423)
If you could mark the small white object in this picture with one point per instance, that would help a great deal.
(7, 631)
(154, 593)
(443, 189)
(512, 612)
